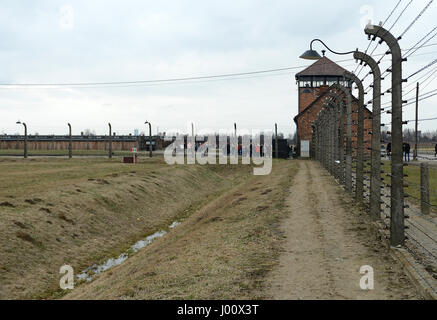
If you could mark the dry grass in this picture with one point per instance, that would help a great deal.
(82, 211)
(222, 251)
(413, 180)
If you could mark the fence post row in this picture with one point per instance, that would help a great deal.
(348, 169)
(424, 189)
(328, 129)
(339, 134)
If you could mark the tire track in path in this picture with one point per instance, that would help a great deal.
(327, 240)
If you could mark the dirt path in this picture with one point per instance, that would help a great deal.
(327, 240)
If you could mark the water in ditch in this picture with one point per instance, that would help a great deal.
(89, 273)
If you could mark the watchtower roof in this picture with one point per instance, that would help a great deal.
(322, 67)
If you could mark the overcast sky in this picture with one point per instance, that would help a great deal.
(106, 41)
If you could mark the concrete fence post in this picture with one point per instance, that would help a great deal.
(375, 174)
(70, 143)
(359, 189)
(341, 148)
(424, 189)
(110, 141)
(25, 140)
(335, 124)
(348, 169)
(326, 136)
(340, 136)
(332, 122)
(276, 142)
(397, 218)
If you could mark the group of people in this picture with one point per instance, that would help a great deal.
(406, 150)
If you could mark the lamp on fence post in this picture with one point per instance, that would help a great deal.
(397, 218)
(70, 146)
(313, 55)
(375, 174)
(150, 138)
(25, 138)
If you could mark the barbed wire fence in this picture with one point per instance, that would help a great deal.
(397, 193)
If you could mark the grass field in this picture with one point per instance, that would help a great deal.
(82, 211)
(413, 180)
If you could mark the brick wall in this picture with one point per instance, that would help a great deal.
(304, 129)
(308, 95)
(57, 144)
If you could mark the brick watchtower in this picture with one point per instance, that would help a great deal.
(313, 84)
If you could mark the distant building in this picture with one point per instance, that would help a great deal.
(82, 142)
(314, 83)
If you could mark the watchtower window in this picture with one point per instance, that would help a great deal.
(345, 83)
(331, 80)
(305, 83)
(318, 83)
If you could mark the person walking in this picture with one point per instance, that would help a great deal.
(435, 149)
(407, 151)
(389, 150)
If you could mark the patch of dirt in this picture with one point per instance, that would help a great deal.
(33, 201)
(266, 191)
(7, 204)
(239, 200)
(215, 219)
(62, 216)
(327, 242)
(20, 224)
(26, 237)
(261, 208)
(102, 181)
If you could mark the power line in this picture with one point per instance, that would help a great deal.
(424, 98)
(228, 75)
(417, 18)
(370, 43)
(151, 81)
(421, 69)
(406, 54)
(167, 81)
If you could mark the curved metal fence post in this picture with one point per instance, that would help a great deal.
(375, 174)
(359, 189)
(397, 223)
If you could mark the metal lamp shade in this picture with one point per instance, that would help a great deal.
(310, 55)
